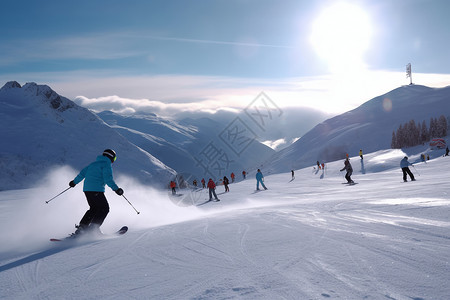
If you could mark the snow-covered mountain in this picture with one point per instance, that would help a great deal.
(153, 149)
(41, 129)
(193, 147)
(368, 127)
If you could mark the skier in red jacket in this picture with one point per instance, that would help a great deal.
(212, 187)
(173, 185)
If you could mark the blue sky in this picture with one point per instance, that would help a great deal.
(167, 56)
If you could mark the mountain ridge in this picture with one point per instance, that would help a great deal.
(368, 127)
(45, 130)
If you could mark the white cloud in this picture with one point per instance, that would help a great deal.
(171, 94)
(275, 144)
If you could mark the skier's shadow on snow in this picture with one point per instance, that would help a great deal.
(33, 257)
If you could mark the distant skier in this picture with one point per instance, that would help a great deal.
(212, 187)
(95, 176)
(260, 179)
(173, 185)
(360, 153)
(318, 165)
(348, 167)
(244, 174)
(226, 182)
(232, 177)
(446, 151)
(203, 183)
(404, 164)
(195, 182)
(292, 173)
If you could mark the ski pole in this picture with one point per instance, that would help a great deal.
(131, 204)
(58, 194)
(416, 170)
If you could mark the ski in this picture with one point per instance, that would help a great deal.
(215, 200)
(121, 231)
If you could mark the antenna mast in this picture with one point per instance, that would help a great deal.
(408, 73)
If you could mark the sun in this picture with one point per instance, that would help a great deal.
(341, 35)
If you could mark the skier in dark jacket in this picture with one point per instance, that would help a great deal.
(404, 164)
(349, 169)
(226, 182)
(95, 176)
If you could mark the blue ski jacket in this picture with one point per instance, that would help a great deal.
(96, 175)
(259, 176)
(404, 163)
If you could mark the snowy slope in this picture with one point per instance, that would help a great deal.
(308, 238)
(368, 127)
(43, 129)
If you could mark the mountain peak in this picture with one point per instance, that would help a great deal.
(48, 95)
(11, 85)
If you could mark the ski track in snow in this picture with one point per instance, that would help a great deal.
(310, 238)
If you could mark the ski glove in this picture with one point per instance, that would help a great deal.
(119, 192)
(72, 184)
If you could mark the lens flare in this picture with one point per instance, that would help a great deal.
(387, 104)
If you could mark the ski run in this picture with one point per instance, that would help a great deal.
(308, 238)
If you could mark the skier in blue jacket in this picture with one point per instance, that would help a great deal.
(95, 176)
(260, 179)
(404, 164)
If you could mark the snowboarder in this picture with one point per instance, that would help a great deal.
(173, 185)
(260, 179)
(225, 183)
(404, 164)
(95, 176)
(360, 153)
(203, 183)
(212, 187)
(349, 169)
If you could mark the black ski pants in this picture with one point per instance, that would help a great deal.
(347, 176)
(211, 193)
(98, 209)
(407, 171)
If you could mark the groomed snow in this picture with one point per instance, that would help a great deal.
(308, 238)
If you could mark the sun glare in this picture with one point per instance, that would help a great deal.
(341, 35)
